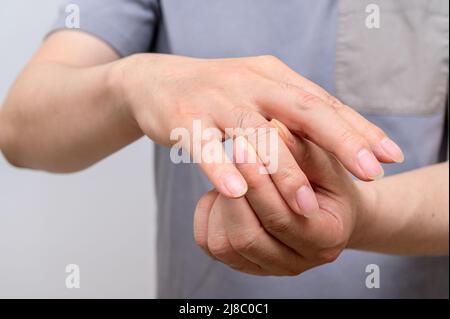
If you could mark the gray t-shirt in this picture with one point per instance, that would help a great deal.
(303, 34)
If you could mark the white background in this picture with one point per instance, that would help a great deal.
(101, 219)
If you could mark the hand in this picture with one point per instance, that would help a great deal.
(260, 234)
(164, 92)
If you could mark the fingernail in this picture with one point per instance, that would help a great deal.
(370, 165)
(235, 185)
(393, 150)
(306, 200)
(283, 131)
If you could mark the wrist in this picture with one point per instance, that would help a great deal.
(365, 214)
(118, 88)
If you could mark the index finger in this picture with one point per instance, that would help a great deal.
(311, 117)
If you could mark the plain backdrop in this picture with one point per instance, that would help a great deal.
(101, 219)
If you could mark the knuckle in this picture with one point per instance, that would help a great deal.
(286, 86)
(243, 116)
(277, 223)
(186, 108)
(378, 132)
(334, 102)
(307, 101)
(372, 131)
(328, 255)
(236, 73)
(218, 246)
(350, 139)
(271, 59)
(245, 242)
(249, 118)
(289, 175)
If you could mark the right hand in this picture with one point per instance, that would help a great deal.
(164, 92)
(259, 234)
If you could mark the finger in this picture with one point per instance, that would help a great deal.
(221, 248)
(288, 179)
(274, 69)
(321, 167)
(330, 181)
(304, 235)
(251, 241)
(285, 172)
(309, 116)
(204, 144)
(201, 219)
(383, 147)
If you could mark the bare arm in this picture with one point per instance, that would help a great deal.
(62, 114)
(77, 102)
(406, 214)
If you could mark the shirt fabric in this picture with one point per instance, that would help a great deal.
(303, 35)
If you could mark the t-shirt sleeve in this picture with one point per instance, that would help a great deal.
(128, 26)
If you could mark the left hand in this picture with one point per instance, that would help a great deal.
(260, 234)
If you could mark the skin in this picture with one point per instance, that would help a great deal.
(406, 214)
(76, 103)
(259, 234)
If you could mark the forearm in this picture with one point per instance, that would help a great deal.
(406, 214)
(61, 118)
